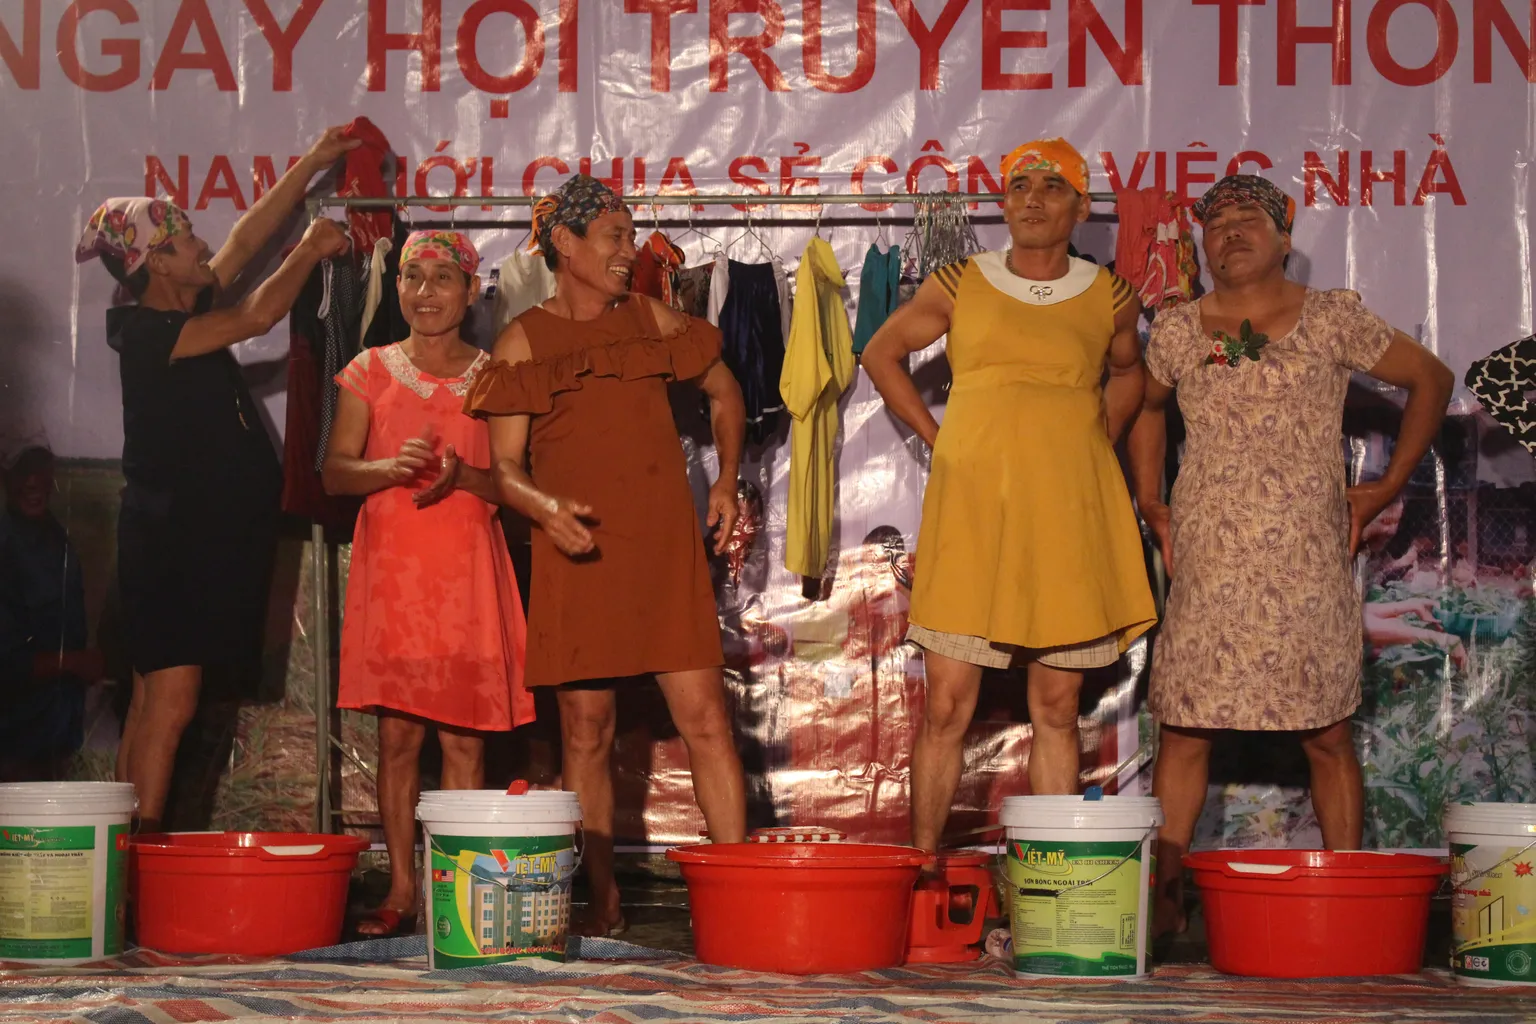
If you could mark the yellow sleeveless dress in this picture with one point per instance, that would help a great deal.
(1028, 538)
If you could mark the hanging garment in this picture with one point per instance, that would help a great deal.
(656, 268)
(363, 177)
(388, 325)
(752, 329)
(693, 290)
(373, 283)
(340, 313)
(879, 293)
(523, 281)
(818, 367)
(1501, 380)
(786, 291)
(303, 493)
(1155, 250)
(719, 288)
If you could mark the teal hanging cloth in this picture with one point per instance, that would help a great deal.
(879, 280)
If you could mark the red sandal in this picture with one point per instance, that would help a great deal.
(395, 922)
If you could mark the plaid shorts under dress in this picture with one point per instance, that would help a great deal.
(978, 650)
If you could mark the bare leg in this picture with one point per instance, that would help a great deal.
(399, 785)
(697, 702)
(1338, 792)
(1053, 753)
(586, 737)
(130, 727)
(463, 758)
(952, 689)
(1178, 781)
(170, 701)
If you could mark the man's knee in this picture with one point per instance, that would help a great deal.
(400, 739)
(1184, 746)
(1334, 743)
(1053, 703)
(460, 747)
(586, 728)
(947, 712)
(169, 712)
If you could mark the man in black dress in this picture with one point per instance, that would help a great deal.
(197, 530)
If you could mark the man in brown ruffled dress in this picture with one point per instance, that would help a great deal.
(620, 584)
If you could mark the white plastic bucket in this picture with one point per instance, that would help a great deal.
(498, 872)
(63, 870)
(1493, 901)
(1079, 884)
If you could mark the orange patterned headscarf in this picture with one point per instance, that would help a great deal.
(1055, 155)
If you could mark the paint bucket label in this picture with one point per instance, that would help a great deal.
(48, 885)
(1076, 907)
(1493, 913)
(499, 899)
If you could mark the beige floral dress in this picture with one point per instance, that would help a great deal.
(1262, 628)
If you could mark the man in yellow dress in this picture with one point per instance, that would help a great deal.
(1029, 551)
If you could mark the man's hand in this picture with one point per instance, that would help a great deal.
(330, 147)
(565, 522)
(447, 480)
(326, 239)
(414, 458)
(723, 511)
(1365, 503)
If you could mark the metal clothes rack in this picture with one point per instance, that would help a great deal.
(316, 203)
(320, 562)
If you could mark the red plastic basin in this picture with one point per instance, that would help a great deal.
(241, 893)
(1315, 913)
(800, 908)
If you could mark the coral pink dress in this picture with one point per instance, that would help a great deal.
(433, 624)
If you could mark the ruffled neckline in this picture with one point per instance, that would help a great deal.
(530, 387)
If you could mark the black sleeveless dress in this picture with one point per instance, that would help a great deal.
(198, 527)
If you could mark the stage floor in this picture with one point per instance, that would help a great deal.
(617, 982)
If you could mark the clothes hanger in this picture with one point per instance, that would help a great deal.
(692, 229)
(765, 251)
(912, 247)
(656, 224)
(523, 241)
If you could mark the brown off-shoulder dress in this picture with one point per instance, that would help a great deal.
(602, 434)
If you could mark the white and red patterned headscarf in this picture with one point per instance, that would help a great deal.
(130, 228)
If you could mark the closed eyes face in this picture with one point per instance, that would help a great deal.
(1243, 239)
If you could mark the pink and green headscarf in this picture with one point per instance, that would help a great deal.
(130, 228)
(453, 246)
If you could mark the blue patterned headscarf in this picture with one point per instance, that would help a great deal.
(1236, 189)
(577, 203)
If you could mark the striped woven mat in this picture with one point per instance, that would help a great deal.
(618, 983)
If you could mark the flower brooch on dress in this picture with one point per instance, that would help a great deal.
(1229, 351)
